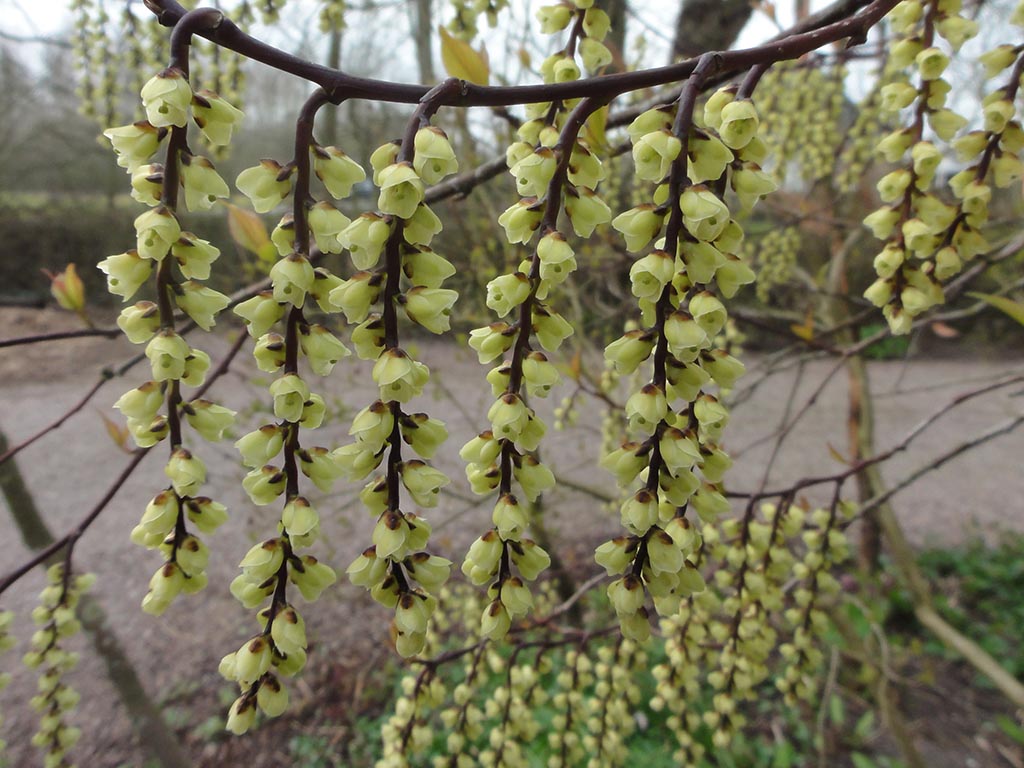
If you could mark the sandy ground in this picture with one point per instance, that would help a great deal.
(67, 471)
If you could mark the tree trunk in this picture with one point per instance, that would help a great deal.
(708, 25)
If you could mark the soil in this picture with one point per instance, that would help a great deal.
(68, 470)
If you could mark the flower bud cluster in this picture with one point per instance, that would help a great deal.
(155, 410)
(464, 24)
(773, 256)
(397, 570)
(550, 168)
(55, 617)
(675, 424)
(824, 547)
(7, 642)
(589, 27)
(611, 703)
(927, 240)
(801, 105)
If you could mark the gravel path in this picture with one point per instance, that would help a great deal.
(68, 470)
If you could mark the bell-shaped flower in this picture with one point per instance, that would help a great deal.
(423, 482)
(216, 118)
(739, 123)
(557, 260)
(492, 341)
(364, 239)
(292, 277)
(356, 295)
(521, 220)
(356, 461)
(430, 307)
(260, 446)
(551, 328)
(716, 103)
(704, 215)
(368, 338)
(534, 172)
(399, 377)
(723, 367)
(594, 54)
(654, 153)
(732, 275)
(946, 123)
(586, 210)
(147, 183)
(382, 157)
(264, 484)
(508, 416)
(646, 408)
(324, 281)
(336, 170)
(423, 433)
(711, 416)
(266, 184)
(638, 226)
(373, 425)
(421, 227)
(209, 419)
(283, 235)
(322, 348)
(650, 274)
(931, 63)
(390, 534)
(429, 570)
(301, 520)
(326, 223)
(495, 622)
(434, 157)
(185, 472)
(290, 394)
(134, 144)
(200, 303)
(585, 167)
(167, 352)
(311, 577)
(141, 403)
(506, 292)
(685, 336)
(126, 273)
(708, 158)
(626, 353)
(139, 322)
(156, 230)
(529, 558)
(626, 595)
(269, 352)
(539, 374)
(401, 190)
(553, 18)
(750, 184)
(166, 98)
(685, 380)
(533, 477)
(196, 365)
(424, 267)
(617, 555)
(709, 313)
(203, 185)
(194, 256)
(260, 313)
(481, 561)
